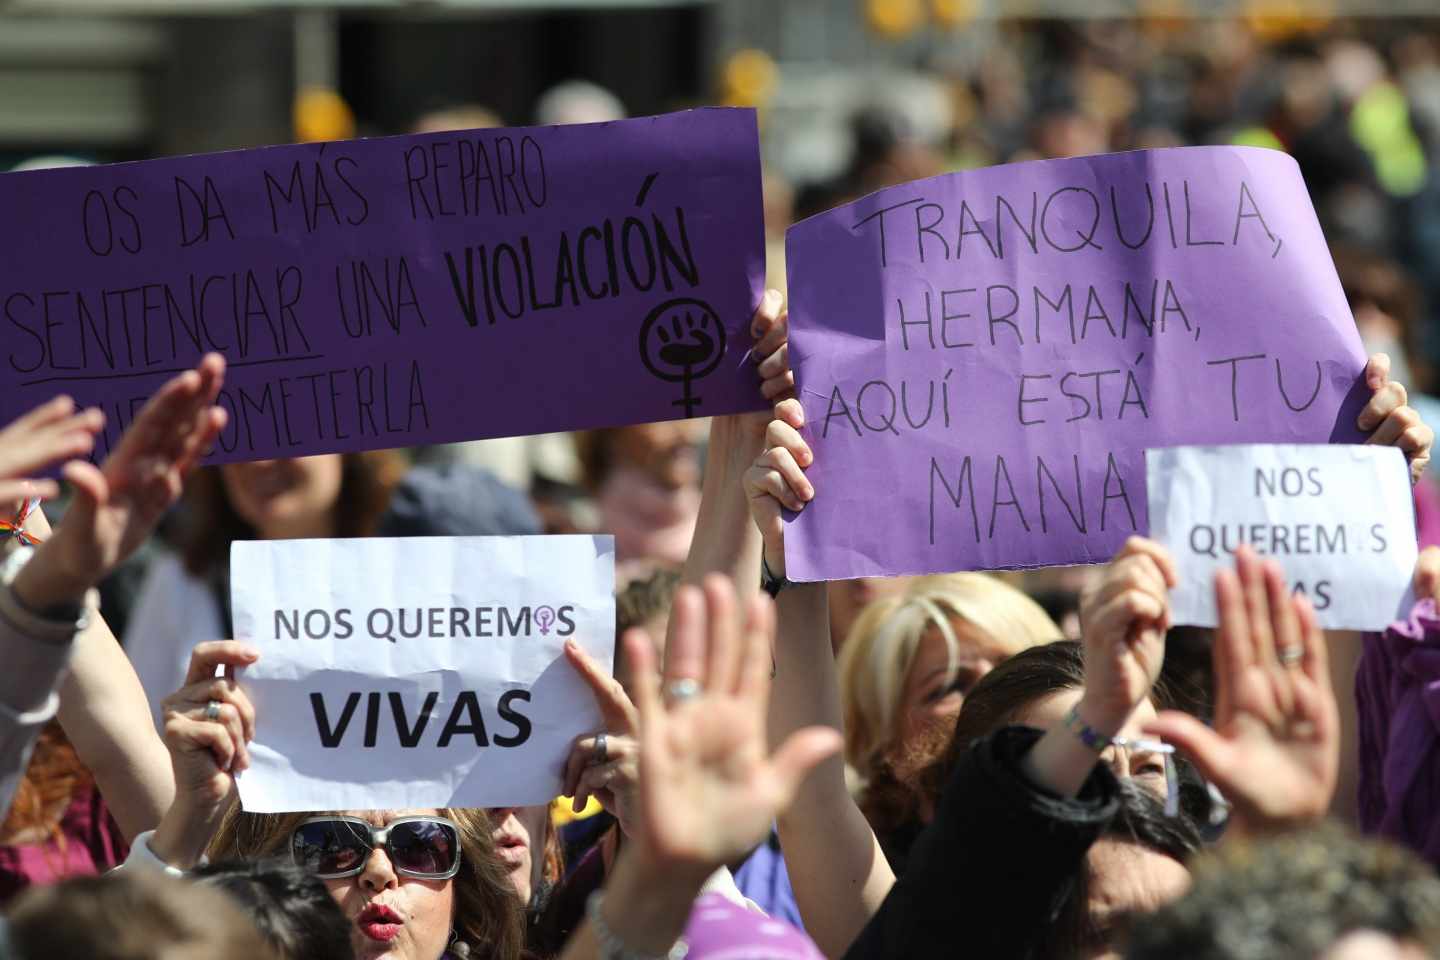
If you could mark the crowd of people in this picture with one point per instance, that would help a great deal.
(986, 765)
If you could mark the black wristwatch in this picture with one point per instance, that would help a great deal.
(770, 583)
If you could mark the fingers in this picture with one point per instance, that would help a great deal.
(1285, 630)
(782, 435)
(615, 706)
(1391, 396)
(15, 490)
(218, 653)
(50, 433)
(770, 325)
(1377, 371)
(593, 780)
(1210, 752)
(725, 645)
(222, 690)
(779, 387)
(1158, 554)
(801, 752)
(1401, 427)
(177, 417)
(185, 735)
(1133, 591)
(1316, 659)
(202, 440)
(776, 363)
(1257, 607)
(791, 411)
(685, 650)
(1232, 653)
(777, 474)
(645, 686)
(1427, 574)
(90, 486)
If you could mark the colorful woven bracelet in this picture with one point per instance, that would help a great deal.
(1088, 735)
(16, 528)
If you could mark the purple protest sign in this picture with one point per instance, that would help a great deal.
(984, 357)
(399, 291)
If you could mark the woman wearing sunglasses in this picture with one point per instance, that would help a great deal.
(414, 884)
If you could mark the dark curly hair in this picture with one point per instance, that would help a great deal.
(1295, 895)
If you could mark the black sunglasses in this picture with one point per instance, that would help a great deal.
(427, 848)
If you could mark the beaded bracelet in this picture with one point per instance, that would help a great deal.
(1088, 735)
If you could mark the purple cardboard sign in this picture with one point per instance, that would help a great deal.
(399, 291)
(984, 357)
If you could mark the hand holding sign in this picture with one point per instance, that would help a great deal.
(209, 723)
(777, 481)
(50, 433)
(1390, 421)
(1275, 747)
(1124, 618)
(771, 330)
(609, 773)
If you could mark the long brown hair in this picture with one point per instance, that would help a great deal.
(488, 914)
(366, 480)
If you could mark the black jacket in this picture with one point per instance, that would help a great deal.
(988, 877)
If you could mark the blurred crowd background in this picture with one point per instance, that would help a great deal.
(853, 95)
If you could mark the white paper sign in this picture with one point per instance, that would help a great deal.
(418, 672)
(1339, 519)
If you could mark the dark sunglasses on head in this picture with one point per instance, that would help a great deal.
(427, 848)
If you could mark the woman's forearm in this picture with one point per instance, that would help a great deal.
(837, 869)
(106, 716)
(726, 540)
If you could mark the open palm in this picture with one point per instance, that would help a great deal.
(709, 787)
(117, 504)
(1275, 747)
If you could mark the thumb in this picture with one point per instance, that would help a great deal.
(91, 487)
(1210, 752)
(801, 752)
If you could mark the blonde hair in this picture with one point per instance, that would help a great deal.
(488, 914)
(883, 643)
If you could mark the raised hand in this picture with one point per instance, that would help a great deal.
(709, 787)
(1123, 620)
(52, 432)
(208, 746)
(1390, 422)
(117, 505)
(1275, 747)
(777, 480)
(610, 778)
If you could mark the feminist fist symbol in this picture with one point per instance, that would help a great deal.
(682, 340)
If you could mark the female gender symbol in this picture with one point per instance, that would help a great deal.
(682, 340)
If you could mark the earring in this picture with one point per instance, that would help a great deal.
(456, 947)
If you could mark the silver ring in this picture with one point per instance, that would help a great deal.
(686, 688)
(602, 749)
(1291, 655)
(212, 710)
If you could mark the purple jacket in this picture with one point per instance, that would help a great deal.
(1397, 693)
